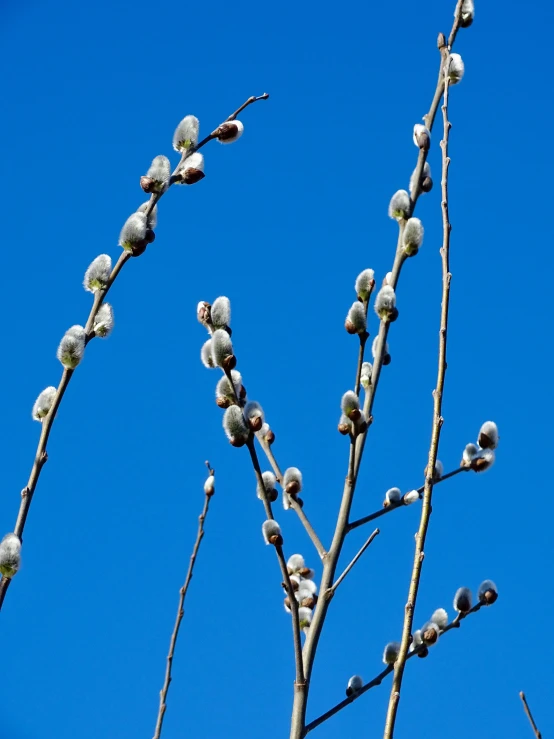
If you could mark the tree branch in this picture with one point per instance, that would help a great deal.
(378, 679)
(437, 425)
(395, 506)
(180, 609)
(354, 560)
(530, 715)
(41, 455)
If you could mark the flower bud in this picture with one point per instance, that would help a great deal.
(482, 460)
(305, 617)
(98, 273)
(186, 133)
(487, 593)
(221, 312)
(470, 452)
(222, 350)
(192, 170)
(468, 13)
(294, 563)
(355, 684)
(356, 320)
(206, 355)
(104, 321)
(345, 426)
(463, 600)
(385, 304)
(43, 403)
(204, 313)
(209, 486)
(235, 427)
(438, 473)
(151, 213)
(230, 131)
(72, 347)
(422, 137)
(365, 282)
(292, 481)
(400, 205)
(133, 233)
(417, 643)
(488, 435)
(224, 393)
(440, 617)
(157, 177)
(412, 237)
(430, 633)
(272, 533)
(455, 69)
(365, 375)
(411, 497)
(392, 497)
(10, 555)
(350, 405)
(269, 481)
(390, 655)
(426, 183)
(254, 415)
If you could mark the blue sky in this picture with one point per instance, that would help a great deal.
(282, 224)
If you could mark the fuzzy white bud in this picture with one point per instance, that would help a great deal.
(72, 347)
(417, 641)
(430, 633)
(292, 480)
(399, 206)
(230, 131)
(470, 452)
(411, 497)
(463, 600)
(186, 133)
(365, 375)
(221, 312)
(269, 481)
(305, 617)
(209, 485)
(385, 303)
(295, 563)
(271, 532)
(159, 173)
(390, 653)
(350, 405)
(487, 593)
(356, 320)
(222, 347)
(223, 388)
(43, 403)
(192, 169)
(482, 460)
(104, 321)
(133, 231)
(426, 181)
(455, 69)
(412, 237)
(422, 136)
(355, 684)
(468, 13)
(206, 355)
(10, 555)
(235, 427)
(98, 273)
(440, 617)
(392, 497)
(364, 283)
(254, 414)
(488, 435)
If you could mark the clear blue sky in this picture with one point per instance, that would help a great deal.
(283, 222)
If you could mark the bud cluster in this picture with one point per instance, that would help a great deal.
(479, 457)
(304, 588)
(352, 420)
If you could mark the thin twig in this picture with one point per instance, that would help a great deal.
(41, 455)
(378, 679)
(394, 506)
(293, 503)
(356, 452)
(181, 610)
(530, 715)
(435, 437)
(354, 560)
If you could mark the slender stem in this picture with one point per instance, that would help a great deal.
(293, 504)
(355, 458)
(41, 455)
(181, 611)
(378, 679)
(435, 437)
(368, 541)
(395, 506)
(363, 341)
(530, 715)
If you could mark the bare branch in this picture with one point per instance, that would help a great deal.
(394, 506)
(378, 679)
(437, 425)
(180, 609)
(41, 454)
(354, 560)
(530, 715)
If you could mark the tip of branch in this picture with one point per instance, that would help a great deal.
(263, 97)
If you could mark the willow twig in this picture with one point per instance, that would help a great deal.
(527, 710)
(41, 455)
(378, 679)
(354, 560)
(393, 506)
(180, 609)
(435, 437)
